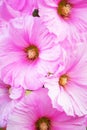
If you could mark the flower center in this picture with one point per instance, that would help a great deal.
(9, 89)
(32, 52)
(27, 92)
(43, 123)
(63, 80)
(64, 8)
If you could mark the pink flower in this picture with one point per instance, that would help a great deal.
(68, 89)
(10, 9)
(35, 112)
(9, 97)
(30, 53)
(66, 18)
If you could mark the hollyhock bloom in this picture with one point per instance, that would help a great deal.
(14, 8)
(9, 97)
(35, 112)
(66, 18)
(30, 53)
(68, 89)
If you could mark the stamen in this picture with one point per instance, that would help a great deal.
(43, 126)
(43, 123)
(64, 8)
(27, 92)
(9, 89)
(32, 52)
(49, 74)
(63, 80)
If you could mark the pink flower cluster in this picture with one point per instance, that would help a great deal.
(43, 64)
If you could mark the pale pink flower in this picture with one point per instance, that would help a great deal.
(28, 53)
(14, 8)
(68, 89)
(9, 97)
(66, 18)
(35, 112)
